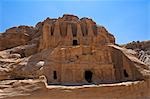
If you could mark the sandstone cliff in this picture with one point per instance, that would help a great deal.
(64, 50)
(19, 44)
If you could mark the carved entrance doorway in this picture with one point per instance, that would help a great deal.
(88, 76)
(75, 42)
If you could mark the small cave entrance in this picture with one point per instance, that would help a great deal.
(88, 76)
(54, 75)
(125, 73)
(75, 42)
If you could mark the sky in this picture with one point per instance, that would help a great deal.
(127, 20)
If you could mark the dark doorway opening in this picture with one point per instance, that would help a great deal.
(75, 42)
(54, 74)
(125, 73)
(88, 76)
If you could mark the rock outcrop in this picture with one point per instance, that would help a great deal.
(15, 36)
(77, 51)
(142, 50)
(70, 28)
(143, 45)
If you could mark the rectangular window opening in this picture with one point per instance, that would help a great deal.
(54, 74)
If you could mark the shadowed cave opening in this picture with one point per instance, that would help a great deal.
(13, 77)
(88, 76)
(19, 78)
(54, 74)
(75, 42)
(125, 73)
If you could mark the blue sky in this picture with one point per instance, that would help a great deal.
(127, 20)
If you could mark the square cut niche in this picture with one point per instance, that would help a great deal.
(75, 42)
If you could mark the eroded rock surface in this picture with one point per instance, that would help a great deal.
(68, 51)
(142, 50)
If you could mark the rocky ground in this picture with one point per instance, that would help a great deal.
(37, 89)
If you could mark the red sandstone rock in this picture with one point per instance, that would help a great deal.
(68, 51)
